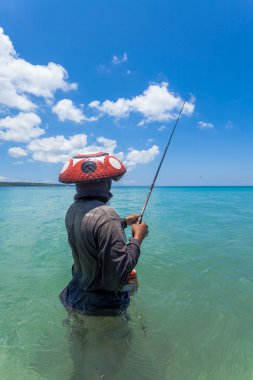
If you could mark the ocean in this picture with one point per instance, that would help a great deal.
(192, 318)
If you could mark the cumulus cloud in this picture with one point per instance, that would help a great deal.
(135, 157)
(20, 128)
(156, 103)
(108, 145)
(117, 60)
(10, 97)
(102, 144)
(57, 148)
(20, 79)
(205, 125)
(60, 149)
(17, 152)
(65, 110)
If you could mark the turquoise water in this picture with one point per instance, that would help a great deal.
(192, 318)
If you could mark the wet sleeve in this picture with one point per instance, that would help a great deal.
(117, 259)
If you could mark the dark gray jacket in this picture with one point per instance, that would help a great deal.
(102, 258)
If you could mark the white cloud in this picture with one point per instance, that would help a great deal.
(10, 97)
(118, 109)
(19, 78)
(60, 149)
(56, 149)
(135, 157)
(155, 104)
(102, 144)
(20, 128)
(17, 152)
(65, 110)
(117, 60)
(109, 145)
(205, 125)
(124, 58)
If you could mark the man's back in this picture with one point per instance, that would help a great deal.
(90, 224)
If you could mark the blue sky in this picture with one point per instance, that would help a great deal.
(112, 75)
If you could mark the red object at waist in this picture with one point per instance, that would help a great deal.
(133, 274)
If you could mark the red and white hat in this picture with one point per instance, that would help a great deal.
(90, 167)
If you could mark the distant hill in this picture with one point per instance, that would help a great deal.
(29, 184)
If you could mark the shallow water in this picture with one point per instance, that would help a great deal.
(190, 320)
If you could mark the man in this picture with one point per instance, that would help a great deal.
(103, 260)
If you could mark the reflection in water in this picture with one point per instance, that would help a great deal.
(117, 348)
(98, 345)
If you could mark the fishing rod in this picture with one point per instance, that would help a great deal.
(159, 167)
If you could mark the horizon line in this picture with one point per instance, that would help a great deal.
(33, 183)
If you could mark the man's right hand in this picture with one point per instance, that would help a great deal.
(139, 231)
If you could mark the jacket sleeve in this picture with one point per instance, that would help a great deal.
(117, 259)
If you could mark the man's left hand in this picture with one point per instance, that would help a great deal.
(132, 219)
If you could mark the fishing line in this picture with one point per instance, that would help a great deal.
(159, 167)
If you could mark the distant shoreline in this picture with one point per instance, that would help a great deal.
(29, 184)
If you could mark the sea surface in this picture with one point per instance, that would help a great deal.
(192, 318)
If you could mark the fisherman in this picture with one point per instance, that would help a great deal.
(103, 259)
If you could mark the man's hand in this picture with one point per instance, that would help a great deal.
(139, 231)
(131, 219)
